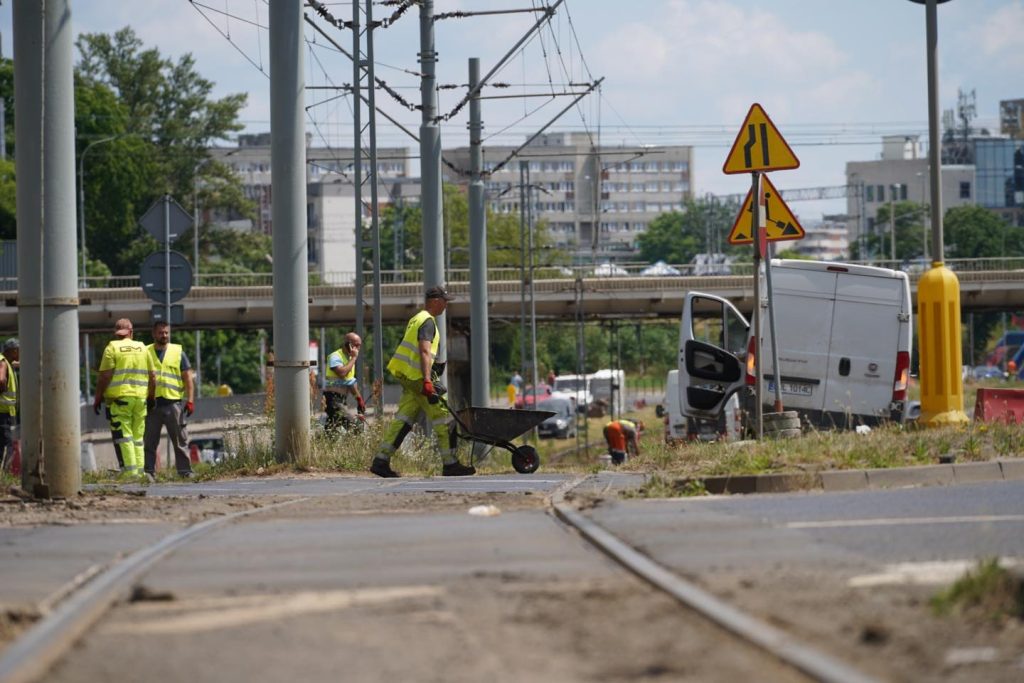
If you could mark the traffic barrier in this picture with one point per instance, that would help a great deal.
(1000, 405)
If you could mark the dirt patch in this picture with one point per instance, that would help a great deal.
(410, 503)
(889, 631)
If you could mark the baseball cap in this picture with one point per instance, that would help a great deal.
(439, 293)
(11, 343)
(123, 327)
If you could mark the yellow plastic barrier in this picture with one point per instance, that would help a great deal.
(938, 332)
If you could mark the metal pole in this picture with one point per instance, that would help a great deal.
(378, 324)
(47, 270)
(357, 181)
(291, 268)
(198, 381)
(934, 141)
(167, 259)
(480, 343)
(755, 208)
(533, 306)
(430, 168)
(892, 224)
(523, 168)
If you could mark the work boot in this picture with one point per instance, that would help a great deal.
(457, 469)
(382, 468)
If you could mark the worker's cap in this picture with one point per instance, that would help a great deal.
(439, 293)
(11, 343)
(123, 327)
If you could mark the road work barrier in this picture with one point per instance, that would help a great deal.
(1000, 405)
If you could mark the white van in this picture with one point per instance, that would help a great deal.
(844, 335)
(575, 385)
(609, 386)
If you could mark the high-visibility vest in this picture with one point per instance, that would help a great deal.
(335, 382)
(406, 361)
(9, 398)
(131, 370)
(169, 384)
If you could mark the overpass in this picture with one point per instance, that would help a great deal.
(246, 301)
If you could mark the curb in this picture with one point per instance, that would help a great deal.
(859, 480)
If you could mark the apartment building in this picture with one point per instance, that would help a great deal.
(595, 199)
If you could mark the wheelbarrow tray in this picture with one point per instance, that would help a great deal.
(496, 425)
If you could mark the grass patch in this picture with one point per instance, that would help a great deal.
(988, 593)
(658, 486)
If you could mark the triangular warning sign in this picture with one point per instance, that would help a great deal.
(780, 223)
(759, 146)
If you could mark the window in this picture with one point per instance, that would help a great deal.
(903, 192)
(869, 193)
(880, 191)
(965, 190)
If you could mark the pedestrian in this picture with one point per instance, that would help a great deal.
(517, 382)
(551, 378)
(8, 400)
(623, 437)
(127, 377)
(413, 366)
(341, 382)
(174, 382)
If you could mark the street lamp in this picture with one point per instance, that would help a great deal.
(83, 283)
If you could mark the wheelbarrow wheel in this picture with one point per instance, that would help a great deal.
(525, 459)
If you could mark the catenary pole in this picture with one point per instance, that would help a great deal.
(430, 168)
(378, 321)
(480, 343)
(523, 168)
(357, 180)
(47, 272)
(291, 269)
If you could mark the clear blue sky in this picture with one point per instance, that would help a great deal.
(834, 76)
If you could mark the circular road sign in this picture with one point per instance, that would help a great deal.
(154, 276)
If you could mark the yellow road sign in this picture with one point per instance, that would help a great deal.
(759, 146)
(780, 223)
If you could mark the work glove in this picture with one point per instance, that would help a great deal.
(428, 391)
(360, 405)
(150, 403)
(190, 408)
(97, 404)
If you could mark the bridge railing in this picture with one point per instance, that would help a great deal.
(540, 273)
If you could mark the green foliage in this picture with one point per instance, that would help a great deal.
(910, 233)
(678, 236)
(7, 93)
(988, 592)
(975, 232)
(8, 187)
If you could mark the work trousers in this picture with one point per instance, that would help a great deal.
(7, 423)
(167, 415)
(411, 405)
(338, 414)
(127, 426)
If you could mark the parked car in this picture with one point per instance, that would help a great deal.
(987, 372)
(608, 269)
(561, 425)
(208, 449)
(530, 395)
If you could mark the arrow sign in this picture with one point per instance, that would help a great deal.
(176, 218)
(780, 223)
(759, 146)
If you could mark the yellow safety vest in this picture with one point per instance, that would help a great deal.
(169, 383)
(406, 361)
(333, 381)
(131, 370)
(9, 398)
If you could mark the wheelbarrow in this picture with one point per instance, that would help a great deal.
(497, 427)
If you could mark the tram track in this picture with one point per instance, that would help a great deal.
(92, 596)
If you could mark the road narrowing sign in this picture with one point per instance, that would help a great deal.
(759, 146)
(780, 223)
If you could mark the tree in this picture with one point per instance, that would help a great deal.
(910, 233)
(678, 236)
(975, 232)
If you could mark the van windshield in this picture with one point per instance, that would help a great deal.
(569, 384)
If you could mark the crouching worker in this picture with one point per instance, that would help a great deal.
(341, 382)
(412, 365)
(623, 437)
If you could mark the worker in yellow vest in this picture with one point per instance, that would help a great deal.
(126, 378)
(8, 400)
(340, 382)
(174, 382)
(412, 365)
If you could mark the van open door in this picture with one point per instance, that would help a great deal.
(712, 340)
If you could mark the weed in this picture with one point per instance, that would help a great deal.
(988, 592)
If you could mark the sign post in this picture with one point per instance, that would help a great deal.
(760, 147)
(166, 277)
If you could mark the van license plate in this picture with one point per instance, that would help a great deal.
(794, 388)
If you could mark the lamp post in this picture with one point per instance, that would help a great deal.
(81, 227)
(195, 268)
(938, 291)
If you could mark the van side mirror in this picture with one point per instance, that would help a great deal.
(659, 410)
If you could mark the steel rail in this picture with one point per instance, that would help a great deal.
(31, 656)
(781, 645)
